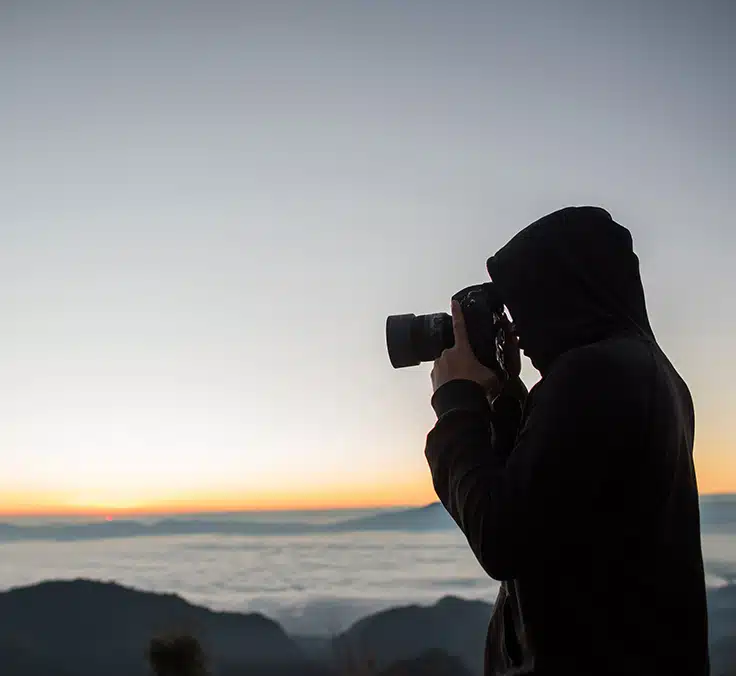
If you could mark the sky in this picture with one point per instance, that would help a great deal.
(208, 210)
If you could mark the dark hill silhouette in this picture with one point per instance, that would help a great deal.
(85, 628)
(454, 626)
(19, 657)
(432, 663)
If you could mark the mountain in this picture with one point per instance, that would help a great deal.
(452, 625)
(716, 512)
(432, 663)
(86, 628)
(130, 528)
(431, 517)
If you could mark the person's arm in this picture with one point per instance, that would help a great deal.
(506, 412)
(502, 415)
(531, 505)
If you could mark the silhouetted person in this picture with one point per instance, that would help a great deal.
(581, 498)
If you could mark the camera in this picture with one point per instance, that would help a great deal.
(413, 339)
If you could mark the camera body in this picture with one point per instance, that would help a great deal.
(413, 339)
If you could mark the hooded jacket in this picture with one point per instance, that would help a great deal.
(582, 500)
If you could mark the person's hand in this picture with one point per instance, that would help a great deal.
(514, 386)
(460, 363)
(512, 354)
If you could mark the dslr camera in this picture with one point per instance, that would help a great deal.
(413, 339)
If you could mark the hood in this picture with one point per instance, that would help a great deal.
(570, 279)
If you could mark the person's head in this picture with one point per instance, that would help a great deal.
(570, 279)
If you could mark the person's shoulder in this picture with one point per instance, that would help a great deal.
(626, 361)
(621, 351)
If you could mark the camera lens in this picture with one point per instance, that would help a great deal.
(413, 339)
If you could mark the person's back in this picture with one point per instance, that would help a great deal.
(590, 514)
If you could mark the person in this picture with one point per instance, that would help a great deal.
(580, 498)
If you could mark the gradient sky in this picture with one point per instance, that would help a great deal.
(209, 208)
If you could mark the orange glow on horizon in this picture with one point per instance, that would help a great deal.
(716, 471)
(716, 475)
(408, 494)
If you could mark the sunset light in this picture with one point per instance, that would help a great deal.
(715, 476)
(331, 332)
(326, 496)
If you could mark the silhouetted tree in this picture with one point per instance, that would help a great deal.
(177, 655)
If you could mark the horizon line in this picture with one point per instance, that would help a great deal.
(121, 512)
(152, 511)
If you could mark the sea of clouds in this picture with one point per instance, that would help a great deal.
(312, 584)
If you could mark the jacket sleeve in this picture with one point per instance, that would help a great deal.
(522, 509)
(500, 421)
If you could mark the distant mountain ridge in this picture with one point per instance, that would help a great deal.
(428, 518)
(718, 516)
